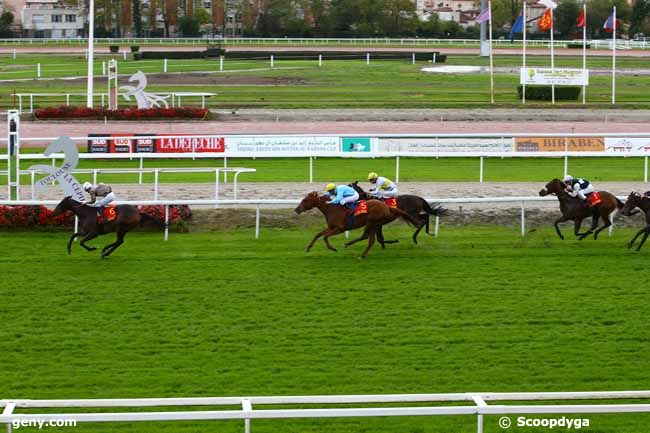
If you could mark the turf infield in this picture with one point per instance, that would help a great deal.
(219, 313)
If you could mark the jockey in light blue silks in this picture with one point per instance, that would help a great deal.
(343, 194)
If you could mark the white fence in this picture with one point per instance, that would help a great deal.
(423, 42)
(395, 406)
(288, 203)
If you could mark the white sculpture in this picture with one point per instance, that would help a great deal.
(63, 174)
(143, 99)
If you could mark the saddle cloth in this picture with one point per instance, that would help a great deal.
(110, 213)
(391, 202)
(360, 208)
(594, 199)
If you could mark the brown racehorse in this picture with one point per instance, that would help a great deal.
(413, 205)
(635, 200)
(338, 220)
(128, 217)
(576, 210)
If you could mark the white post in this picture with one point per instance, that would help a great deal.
(165, 65)
(225, 172)
(436, 227)
(566, 156)
(397, 168)
(33, 174)
(523, 59)
(479, 424)
(95, 176)
(38, 70)
(91, 48)
(155, 184)
(367, 58)
(124, 54)
(76, 224)
(141, 167)
(433, 60)
(491, 57)
(272, 60)
(103, 68)
(67, 99)
(311, 168)
(413, 58)
(480, 176)
(523, 220)
(320, 60)
(614, 57)
(552, 58)
(257, 222)
(645, 175)
(166, 222)
(216, 184)
(584, 51)
(14, 54)
(246, 406)
(221, 63)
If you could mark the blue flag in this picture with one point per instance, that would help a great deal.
(517, 27)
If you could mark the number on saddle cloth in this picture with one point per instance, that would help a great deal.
(109, 213)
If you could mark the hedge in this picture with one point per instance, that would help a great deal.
(544, 93)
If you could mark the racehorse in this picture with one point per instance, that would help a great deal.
(338, 220)
(417, 207)
(574, 209)
(128, 217)
(633, 201)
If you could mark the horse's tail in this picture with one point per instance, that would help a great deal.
(405, 216)
(435, 209)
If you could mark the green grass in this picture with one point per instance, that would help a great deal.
(348, 170)
(338, 84)
(219, 313)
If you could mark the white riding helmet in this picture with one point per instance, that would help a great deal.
(87, 186)
(568, 178)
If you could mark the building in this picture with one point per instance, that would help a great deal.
(51, 19)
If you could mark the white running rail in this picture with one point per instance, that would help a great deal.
(249, 407)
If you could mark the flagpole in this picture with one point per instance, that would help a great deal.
(552, 60)
(491, 60)
(523, 89)
(614, 57)
(584, 50)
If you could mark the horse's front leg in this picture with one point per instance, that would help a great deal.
(647, 233)
(557, 227)
(313, 241)
(89, 236)
(332, 232)
(72, 238)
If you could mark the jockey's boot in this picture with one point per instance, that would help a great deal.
(100, 212)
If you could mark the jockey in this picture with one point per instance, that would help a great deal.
(342, 194)
(384, 187)
(103, 191)
(578, 187)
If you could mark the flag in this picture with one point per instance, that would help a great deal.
(581, 22)
(545, 22)
(517, 27)
(609, 25)
(550, 4)
(483, 16)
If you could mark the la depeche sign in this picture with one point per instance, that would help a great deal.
(169, 143)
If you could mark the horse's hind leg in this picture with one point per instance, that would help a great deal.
(608, 223)
(417, 231)
(86, 238)
(72, 238)
(359, 239)
(594, 224)
(645, 236)
(371, 241)
(108, 249)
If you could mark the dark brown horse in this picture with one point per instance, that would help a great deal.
(417, 207)
(128, 217)
(338, 220)
(576, 210)
(635, 200)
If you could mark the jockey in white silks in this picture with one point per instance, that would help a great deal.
(384, 187)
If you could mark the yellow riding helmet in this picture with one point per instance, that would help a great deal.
(330, 187)
(372, 175)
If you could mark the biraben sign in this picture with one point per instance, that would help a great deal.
(180, 144)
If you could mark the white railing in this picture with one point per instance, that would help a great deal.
(176, 98)
(395, 407)
(140, 171)
(287, 203)
(425, 42)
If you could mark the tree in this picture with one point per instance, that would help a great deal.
(189, 27)
(639, 21)
(202, 16)
(6, 20)
(137, 18)
(565, 16)
(599, 10)
(505, 12)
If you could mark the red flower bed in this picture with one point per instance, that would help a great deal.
(32, 216)
(70, 112)
(177, 214)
